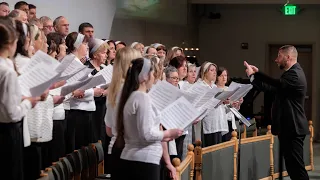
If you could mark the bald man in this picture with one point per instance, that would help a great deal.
(61, 25)
(288, 117)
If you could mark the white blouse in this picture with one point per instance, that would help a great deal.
(216, 119)
(12, 109)
(87, 102)
(142, 132)
(58, 110)
(21, 62)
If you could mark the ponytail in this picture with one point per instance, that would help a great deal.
(131, 84)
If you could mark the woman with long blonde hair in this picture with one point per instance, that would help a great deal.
(121, 65)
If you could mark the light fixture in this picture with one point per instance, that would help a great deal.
(191, 49)
(194, 56)
(186, 49)
(188, 56)
(197, 49)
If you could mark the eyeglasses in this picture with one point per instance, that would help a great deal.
(174, 78)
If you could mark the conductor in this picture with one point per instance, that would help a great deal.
(288, 117)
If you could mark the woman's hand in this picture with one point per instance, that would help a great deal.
(226, 101)
(98, 92)
(172, 133)
(58, 99)
(173, 171)
(78, 93)
(196, 121)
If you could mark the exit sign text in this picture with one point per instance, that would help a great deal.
(290, 10)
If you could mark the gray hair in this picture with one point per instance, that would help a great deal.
(169, 70)
(14, 13)
(57, 20)
(44, 19)
(191, 66)
(35, 21)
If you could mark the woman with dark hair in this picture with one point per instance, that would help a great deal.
(111, 54)
(79, 114)
(13, 107)
(180, 63)
(138, 131)
(222, 80)
(24, 51)
(56, 46)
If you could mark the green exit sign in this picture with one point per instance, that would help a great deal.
(290, 10)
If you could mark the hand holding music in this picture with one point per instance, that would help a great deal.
(78, 93)
(44, 96)
(33, 100)
(98, 92)
(196, 121)
(172, 133)
(58, 99)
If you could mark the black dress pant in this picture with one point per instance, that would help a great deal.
(291, 148)
(179, 145)
(55, 149)
(11, 151)
(212, 139)
(115, 161)
(79, 130)
(228, 136)
(136, 170)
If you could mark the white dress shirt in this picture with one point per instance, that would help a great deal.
(216, 119)
(21, 61)
(12, 109)
(142, 132)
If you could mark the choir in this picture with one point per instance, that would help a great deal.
(97, 89)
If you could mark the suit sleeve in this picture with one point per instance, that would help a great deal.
(263, 82)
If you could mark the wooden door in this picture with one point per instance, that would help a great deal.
(305, 60)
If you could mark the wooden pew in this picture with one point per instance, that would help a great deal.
(218, 161)
(185, 169)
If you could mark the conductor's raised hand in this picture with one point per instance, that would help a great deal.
(249, 69)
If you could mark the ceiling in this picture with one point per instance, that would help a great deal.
(254, 1)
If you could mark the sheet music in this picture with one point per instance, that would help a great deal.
(224, 95)
(210, 104)
(203, 94)
(80, 76)
(163, 93)
(65, 62)
(68, 88)
(186, 86)
(35, 81)
(243, 90)
(40, 57)
(73, 68)
(179, 114)
(94, 82)
(106, 73)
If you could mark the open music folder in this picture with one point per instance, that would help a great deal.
(180, 114)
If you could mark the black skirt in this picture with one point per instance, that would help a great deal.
(139, 170)
(11, 151)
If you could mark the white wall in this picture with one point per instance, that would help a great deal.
(147, 32)
(258, 25)
(99, 13)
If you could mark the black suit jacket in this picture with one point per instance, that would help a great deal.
(288, 116)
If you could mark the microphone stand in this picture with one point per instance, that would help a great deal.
(242, 121)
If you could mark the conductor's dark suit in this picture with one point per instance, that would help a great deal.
(288, 117)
